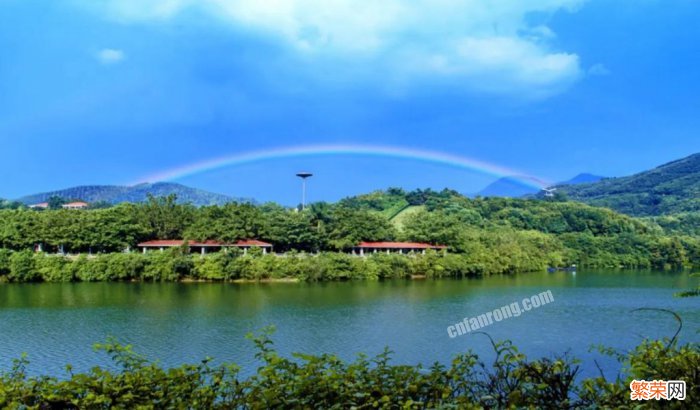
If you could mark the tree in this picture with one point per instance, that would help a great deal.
(22, 267)
(439, 227)
(164, 217)
(229, 223)
(349, 227)
(294, 230)
(5, 204)
(56, 202)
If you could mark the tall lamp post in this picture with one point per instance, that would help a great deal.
(303, 176)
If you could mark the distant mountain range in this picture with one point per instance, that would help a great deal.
(115, 194)
(510, 187)
(583, 178)
(513, 187)
(671, 188)
(668, 189)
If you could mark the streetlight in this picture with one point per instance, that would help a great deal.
(303, 176)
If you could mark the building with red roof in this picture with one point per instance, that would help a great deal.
(75, 205)
(69, 205)
(204, 246)
(396, 247)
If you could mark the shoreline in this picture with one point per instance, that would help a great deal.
(290, 279)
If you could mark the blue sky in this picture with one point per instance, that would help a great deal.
(111, 92)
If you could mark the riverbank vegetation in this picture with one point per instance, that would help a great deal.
(174, 265)
(510, 380)
(484, 235)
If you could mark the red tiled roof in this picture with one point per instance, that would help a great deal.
(399, 245)
(77, 203)
(179, 242)
(252, 242)
(170, 242)
(208, 242)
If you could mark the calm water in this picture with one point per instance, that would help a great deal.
(174, 323)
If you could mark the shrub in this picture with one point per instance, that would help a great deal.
(325, 381)
(23, 268)
(53, 268)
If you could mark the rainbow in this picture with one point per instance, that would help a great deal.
(344, 149)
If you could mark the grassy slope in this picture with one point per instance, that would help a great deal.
(399, 219)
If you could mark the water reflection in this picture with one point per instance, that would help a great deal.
(175, 323)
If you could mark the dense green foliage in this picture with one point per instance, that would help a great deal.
(668, 189)
(174, 265)
(679, 224)
(325, 381)
(484, 235)
(389, 202)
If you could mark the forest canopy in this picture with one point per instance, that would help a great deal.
(489, 235)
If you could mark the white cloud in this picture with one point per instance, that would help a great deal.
(501, 65)
(489, 46)
(110, 56)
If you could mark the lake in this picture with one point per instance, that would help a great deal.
(175, 323)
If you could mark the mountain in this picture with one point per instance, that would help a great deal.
(513, 187)
(508, 187)
(668, 189)
(114, 194)
(583, 178)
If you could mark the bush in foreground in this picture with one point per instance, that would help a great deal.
(325, 381)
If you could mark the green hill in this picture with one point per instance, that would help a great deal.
(399, 220)
(388, 202)
(484, 235)
(668, 189)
